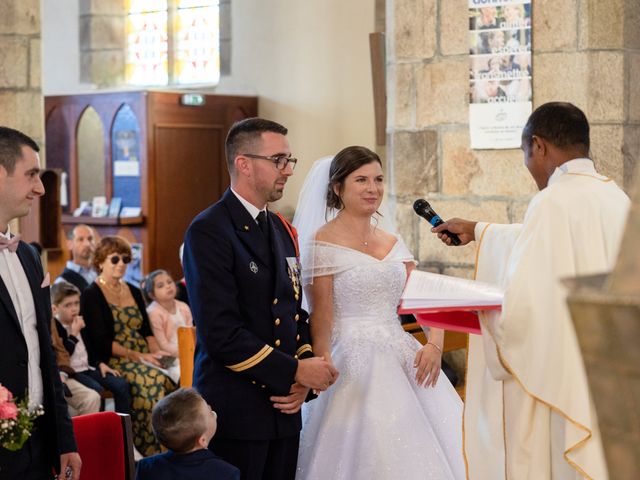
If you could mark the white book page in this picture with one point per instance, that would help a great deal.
(425, 289)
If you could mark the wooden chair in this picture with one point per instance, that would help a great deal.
(186, 352)
(105, 444)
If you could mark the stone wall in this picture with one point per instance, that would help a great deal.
(21, 103)
(584, 51)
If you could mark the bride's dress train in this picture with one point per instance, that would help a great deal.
(375, 422)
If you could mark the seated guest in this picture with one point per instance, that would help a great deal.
(80, 399)
(181, 285)
(65, 302)
(79, 271)
(185, 424)
(166, 314)
(119, 334)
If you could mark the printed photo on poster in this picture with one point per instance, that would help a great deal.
(500, 72)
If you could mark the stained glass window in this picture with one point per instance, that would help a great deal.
(173, 42)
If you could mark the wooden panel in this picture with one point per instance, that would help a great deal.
(186, 182)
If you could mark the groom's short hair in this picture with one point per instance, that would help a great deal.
(245, 135)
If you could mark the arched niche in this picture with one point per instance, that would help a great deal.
(91, 159)
(58, 153)
(125, 155)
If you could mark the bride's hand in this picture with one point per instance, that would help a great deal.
(427, 364)
(292, 402)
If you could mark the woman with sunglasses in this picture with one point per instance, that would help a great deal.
(120, 335)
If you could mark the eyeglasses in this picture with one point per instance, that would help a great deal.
(125, 259)
(281, 161)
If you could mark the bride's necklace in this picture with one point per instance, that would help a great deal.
(364, 241)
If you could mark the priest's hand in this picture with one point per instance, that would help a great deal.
(465, 229)
(427, 365)
(292, 402)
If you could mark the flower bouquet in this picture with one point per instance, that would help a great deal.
(16, 420)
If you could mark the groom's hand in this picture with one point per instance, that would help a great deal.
(292, 402)
(316, 373)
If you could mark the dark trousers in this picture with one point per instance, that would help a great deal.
(117, 385)
(31, 462)
(260, 459)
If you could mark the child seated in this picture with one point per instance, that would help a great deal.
(65, 303)
(166, 314)
(185, 424)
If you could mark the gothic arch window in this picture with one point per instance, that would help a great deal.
(173, 42)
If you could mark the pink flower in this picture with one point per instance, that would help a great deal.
(5, 395)
(8, 410)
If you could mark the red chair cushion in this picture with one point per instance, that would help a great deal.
(100, 442)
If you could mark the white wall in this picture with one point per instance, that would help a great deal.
(307, 61)
(61, 48)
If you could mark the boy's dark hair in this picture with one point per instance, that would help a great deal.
(244, 136)
(62, 290)
(11, 143)
(176, 420)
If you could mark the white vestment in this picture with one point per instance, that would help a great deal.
(528, 412)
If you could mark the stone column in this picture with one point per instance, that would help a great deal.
(102, 42)
(584, 51)
(21, 103)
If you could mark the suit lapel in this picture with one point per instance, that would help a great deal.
(5, 298)
(247, 229)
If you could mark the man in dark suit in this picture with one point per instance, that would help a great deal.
(254, 362)
(27, 362)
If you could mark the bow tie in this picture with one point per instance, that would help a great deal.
(10, 243)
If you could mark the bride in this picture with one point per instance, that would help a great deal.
(390, 415)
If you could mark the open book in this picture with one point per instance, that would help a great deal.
(448, 302)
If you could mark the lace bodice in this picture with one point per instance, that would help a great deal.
(363, 286)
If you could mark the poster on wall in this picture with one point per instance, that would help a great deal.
(500, 72)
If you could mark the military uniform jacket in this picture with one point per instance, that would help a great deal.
(246, 303)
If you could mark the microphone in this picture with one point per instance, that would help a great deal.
(422, 208)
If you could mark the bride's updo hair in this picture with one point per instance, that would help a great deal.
(346, 161)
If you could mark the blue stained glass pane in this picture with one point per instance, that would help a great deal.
(125, 157)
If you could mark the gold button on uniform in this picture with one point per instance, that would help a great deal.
(275, 301)
(297, 296)
(297, 337)
(297, 317)
(253, 381)
(278, 343)
(277, 322)
(295, 356)
(263, 386)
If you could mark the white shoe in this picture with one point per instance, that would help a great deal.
(137, 455)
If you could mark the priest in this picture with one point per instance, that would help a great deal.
(528, 412)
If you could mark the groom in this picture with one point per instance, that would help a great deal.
(254, 362)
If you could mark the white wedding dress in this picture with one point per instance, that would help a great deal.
(375, 422)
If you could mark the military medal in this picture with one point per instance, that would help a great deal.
(293, 268)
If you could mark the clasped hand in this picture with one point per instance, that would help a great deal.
(316, 373)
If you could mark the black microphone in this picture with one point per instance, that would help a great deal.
(422, 208)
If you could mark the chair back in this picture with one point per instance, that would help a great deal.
(105, 445)
(186, 353)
